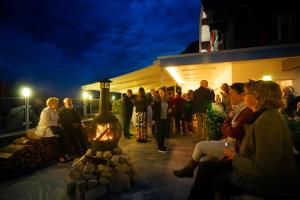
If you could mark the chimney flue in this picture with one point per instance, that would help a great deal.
(104, 104)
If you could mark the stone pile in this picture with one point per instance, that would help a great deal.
(98, 173)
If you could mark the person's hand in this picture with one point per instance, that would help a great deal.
(229, 153)
(76, 125)
(231, 114)
(222, 157)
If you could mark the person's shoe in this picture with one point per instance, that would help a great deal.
(68, 157)
(62, 159)
(130, 134)
(187, 171)
(161, 150)
(184, 172)
(165, 149)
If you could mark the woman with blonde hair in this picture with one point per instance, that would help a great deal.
(49, 126)
(265, 164)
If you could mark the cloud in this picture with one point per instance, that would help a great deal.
(89, 40)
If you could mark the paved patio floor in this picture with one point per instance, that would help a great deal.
(155, 179)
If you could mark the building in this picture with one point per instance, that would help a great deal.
(238, 41)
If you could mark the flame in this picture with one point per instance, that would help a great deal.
(103, 132)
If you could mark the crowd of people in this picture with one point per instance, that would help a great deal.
(255, 153)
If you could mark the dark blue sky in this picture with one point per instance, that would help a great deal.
(59, 45)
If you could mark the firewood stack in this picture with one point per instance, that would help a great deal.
(24, 154)
(98, 173)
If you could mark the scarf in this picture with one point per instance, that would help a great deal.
(237, 109)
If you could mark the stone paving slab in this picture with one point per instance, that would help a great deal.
(155, 179)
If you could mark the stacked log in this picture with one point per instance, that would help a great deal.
(24, 154)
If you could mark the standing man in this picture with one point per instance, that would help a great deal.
(126, 112)
(151, 98)
(179, 112)
(71, 123)
(203, 97)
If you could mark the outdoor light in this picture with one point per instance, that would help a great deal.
(85, 95)
(267, 78)
(90, 97)
(175, 74)
(26, 92)
(113, 97)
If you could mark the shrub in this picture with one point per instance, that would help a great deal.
(214, 122)
(116, 106)
(294, 126)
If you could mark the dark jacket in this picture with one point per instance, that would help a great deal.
(265, 163)
(203, 98)
(157, 109)
(68, 116)
(126, 106)
(179, 105)
(140, 105)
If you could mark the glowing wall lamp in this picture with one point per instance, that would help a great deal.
(85, 96)
(267, 78)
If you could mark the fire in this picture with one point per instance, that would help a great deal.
(103, 132)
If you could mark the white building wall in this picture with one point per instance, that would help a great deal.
(255, 70)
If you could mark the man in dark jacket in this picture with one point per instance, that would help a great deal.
(126, 112)
(203, 97)
(151, 98)
(71, 123)
(179, 112)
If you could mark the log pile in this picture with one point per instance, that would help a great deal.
(24, 154)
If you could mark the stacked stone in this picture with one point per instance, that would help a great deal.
(98, 173)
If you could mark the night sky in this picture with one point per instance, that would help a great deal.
(59, 45)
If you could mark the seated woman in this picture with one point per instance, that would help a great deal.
(49, 126)
(265, 163)
(232, 127)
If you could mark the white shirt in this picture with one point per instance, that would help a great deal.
(49, 117)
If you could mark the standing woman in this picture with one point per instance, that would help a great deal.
(141, 115)
(161, 110)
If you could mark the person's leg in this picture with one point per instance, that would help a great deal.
(199, 126)
(62, 142)
(204, 122)
(203, 148)
(165, 123)
(213, 148)
(82, 140)
(73, 139)
(144, 127)
(159, 139)
(126, 123)
(177, 123)
(203, 187)
(183, 125)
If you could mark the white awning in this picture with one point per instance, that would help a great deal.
(149, 77)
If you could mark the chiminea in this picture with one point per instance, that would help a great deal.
(105, 130)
